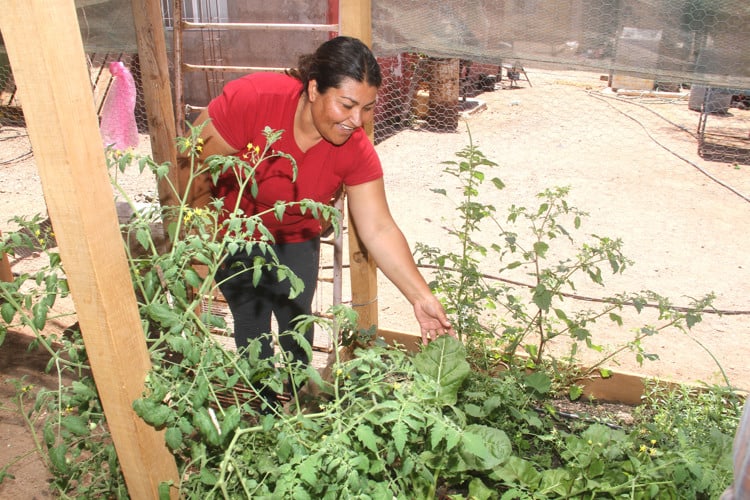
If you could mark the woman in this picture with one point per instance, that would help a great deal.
(321, 107)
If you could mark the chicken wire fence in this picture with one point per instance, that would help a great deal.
(437, 56)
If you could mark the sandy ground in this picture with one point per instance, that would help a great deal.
(631, 163)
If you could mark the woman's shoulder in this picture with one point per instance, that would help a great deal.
(269, 83)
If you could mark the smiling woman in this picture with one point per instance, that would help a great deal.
(321, 108)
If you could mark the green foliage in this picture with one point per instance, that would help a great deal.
(538, 243)
(455, 420)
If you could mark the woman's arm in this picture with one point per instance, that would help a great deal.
(390, 250)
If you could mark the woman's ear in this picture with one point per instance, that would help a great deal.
(312, 90)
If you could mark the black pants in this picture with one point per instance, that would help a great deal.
(252, 306)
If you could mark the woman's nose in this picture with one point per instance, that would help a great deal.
(356, 117)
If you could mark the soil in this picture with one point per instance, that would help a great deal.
(631, 162)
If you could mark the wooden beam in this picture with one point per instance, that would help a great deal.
(53, 82)
(355, 19)
(5, 273)
(157, 92)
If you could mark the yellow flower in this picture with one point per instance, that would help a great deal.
(396, 386)
(643, 448)
(653, 441)
(339, 372)
(652, 451)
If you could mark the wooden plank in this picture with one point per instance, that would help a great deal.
(55, 89)
(157, 92)
(5, 273)
(355, 19)
(364, 280)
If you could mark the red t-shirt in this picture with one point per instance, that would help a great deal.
(241, 113)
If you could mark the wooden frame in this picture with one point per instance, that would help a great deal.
(53, 80)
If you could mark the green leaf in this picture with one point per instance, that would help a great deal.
(518, 470)
(483, 447)
(400, 434)
(75, 424)
(691, 319)
(173, 437)
(616, 318)
(162, 314)
(207, 477)
(7, 311)
(307, 470)
(539, 381)
(193, 278)
(205, 425)
(200, 393)
(40, 310)
(278, 209)
(479, 491)
(165, 489)
(49, 434)
(152, 412)
(605, 373)
(540, 248)
(367, 437)
(575, 392)
(556, 481)
(561, 314)
(444, 360)
(542, 297)
(57, 457)
(231, 421)
(143, 235)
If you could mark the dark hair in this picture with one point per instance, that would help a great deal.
(338, 58)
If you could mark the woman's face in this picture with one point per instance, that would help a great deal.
(338, 112)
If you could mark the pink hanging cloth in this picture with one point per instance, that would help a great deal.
(118, 126)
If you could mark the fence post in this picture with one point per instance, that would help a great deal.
(53, 82)
(157, 92)
(355, 19)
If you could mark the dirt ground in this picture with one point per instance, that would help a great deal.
(631, 162)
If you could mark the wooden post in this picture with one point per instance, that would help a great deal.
(53, 82)
(355, 19)
(157, 92)
(5, 273)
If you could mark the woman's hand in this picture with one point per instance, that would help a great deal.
(432, 319)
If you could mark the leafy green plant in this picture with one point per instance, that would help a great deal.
(384, 423)
(171, 290)
(515, 316)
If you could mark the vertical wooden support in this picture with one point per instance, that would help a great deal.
(355, 19)
(53, 81)
(5, 273)
(157, 91)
